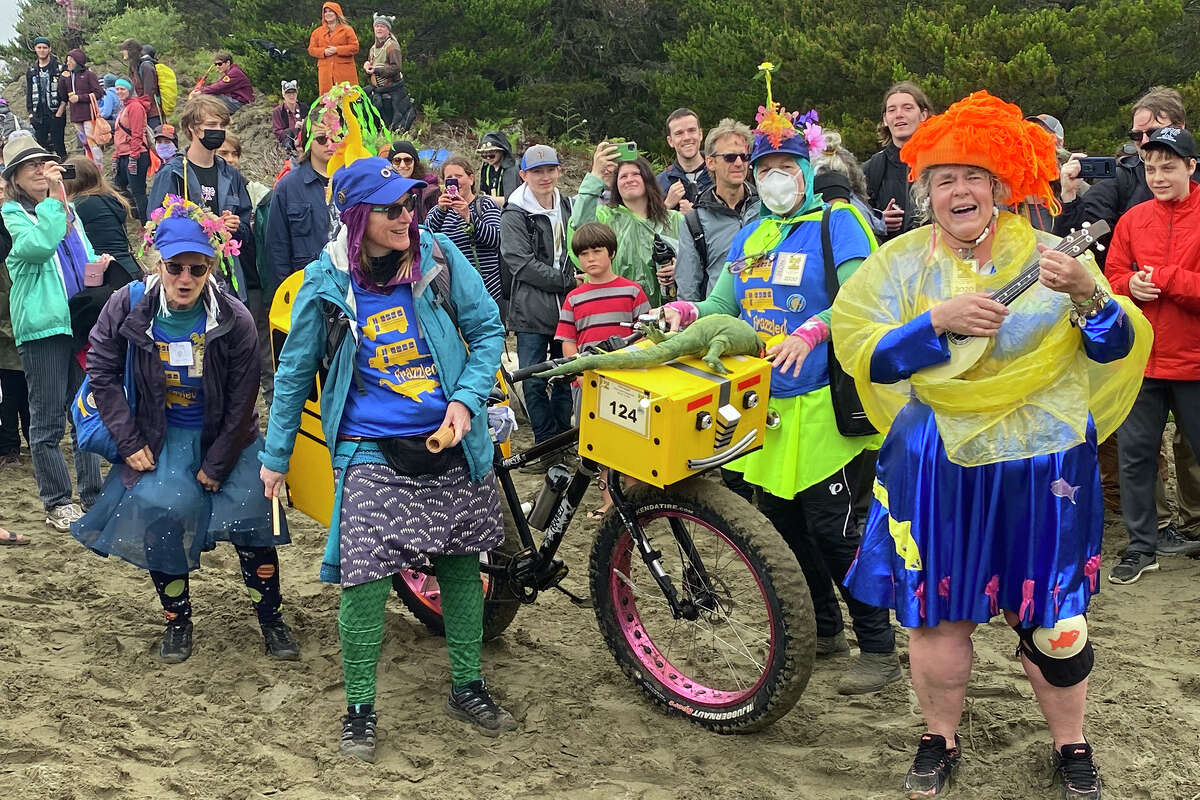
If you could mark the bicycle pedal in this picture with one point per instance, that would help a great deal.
(579, 602)
(553, 574)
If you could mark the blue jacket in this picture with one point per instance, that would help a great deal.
(692, 191)
(232, 195)
(467, 375)
(110, 105)
(297, 226)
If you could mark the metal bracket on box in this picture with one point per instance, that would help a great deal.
(718, 459)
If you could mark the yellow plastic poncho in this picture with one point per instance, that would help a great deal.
(1031, 392)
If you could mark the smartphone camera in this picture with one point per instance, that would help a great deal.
(627, 151)
(452, 187)
(68, 172)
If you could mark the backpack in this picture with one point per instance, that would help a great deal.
(692, 218)
(168, 88)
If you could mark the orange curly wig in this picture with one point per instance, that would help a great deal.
(984, 131)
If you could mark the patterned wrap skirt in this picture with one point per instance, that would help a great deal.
(168, 519)
(389, 522)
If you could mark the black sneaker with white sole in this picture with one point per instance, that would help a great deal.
(1173, 543)
(1132, 565)
(933, 768)
(358, 733)
(1076, 770)
(472, 703)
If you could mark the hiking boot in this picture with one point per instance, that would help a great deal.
(10, 460)
(176, 643)
(832, 645)
(870, 673)
(358, 734)
(1132, 565)
(1076, 769)
(281, 642)
(1173, 543)
(933, 768)
(61, 517)
(473, 704)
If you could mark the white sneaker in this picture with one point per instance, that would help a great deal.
(61, 517)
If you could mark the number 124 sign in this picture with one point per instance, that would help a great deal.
(622, 405)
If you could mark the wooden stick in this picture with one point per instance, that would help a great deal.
(440, 439)
(275, 514)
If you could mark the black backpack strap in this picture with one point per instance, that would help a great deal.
(337, 325)
(438, 280)
(831, 278)
(692, 218)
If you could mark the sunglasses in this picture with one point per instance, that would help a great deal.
(1136, 136)
(175, 268)
(398, 209)
(402, 160)
(729, 158)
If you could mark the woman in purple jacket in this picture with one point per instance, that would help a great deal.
(190, 449)
(76, 88)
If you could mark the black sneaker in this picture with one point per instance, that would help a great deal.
(1076, 769)
(1173, 543)
(176, 643)
(473, 704)
(358, 734)
(933, 768)
(281, 642)
(1132, 565)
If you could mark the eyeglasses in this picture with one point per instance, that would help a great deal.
(398, 209)
(402, 160)
(1136, 136)
(729, 158)
(321, 139)
(175, 268)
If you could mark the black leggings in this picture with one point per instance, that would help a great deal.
(260, 571)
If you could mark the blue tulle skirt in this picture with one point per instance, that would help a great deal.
(947, 543)
(168, 519)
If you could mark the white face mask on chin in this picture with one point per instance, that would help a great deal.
(779, 190)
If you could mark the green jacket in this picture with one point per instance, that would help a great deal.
(38, 302)
(635, 235)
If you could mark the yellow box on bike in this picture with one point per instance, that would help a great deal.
(664, 423)
(310, 475)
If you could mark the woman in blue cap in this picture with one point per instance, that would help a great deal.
(415, 345)
(806, 472)
(189, 476)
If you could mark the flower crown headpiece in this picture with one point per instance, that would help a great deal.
(224, 245)
(778, 124)
(344, 108)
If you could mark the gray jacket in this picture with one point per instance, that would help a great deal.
(538, 283)
(718, 224)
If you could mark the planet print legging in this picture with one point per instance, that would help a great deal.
(260, 571)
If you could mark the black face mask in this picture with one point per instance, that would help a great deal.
(212, 140)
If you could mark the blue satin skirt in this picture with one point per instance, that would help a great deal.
(948, 543)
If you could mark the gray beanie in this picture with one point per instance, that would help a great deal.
(380, 19)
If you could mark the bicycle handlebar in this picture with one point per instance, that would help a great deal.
(613, 343)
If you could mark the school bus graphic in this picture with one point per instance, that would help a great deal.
(391, 321)
(756, 267)
(394, 354)
(758, 300)
(412, 389)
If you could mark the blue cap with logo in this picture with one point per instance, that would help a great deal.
(370, 180)
(540, 155)
(176, 235)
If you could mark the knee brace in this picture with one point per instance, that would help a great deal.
(1063, 653)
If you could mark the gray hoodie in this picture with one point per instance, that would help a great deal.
(535, 264)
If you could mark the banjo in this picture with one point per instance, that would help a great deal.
(966, 350)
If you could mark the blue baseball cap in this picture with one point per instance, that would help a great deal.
(175, 235)
(540, 155)
(795, 146)
(370, 180)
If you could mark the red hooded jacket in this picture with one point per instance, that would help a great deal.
(1165, 236)
(129, 134)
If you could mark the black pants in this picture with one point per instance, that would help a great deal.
(130, 180)
(50, 132)
(260, 573)
(821, 527)
(1140, 439)
(14, 411)
(394, 104)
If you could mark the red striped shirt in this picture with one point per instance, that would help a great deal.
(594, 311)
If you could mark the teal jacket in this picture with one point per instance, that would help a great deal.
(38, 299)
(467, 358)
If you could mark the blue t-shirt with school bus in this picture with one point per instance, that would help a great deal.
(180, 342)
(404, 394)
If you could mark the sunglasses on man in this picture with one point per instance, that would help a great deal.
(729, 158)
(177, 268)
(1142, 136)
(396, 210)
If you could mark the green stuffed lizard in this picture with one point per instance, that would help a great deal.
(708, 338)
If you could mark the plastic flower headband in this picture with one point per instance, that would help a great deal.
(778, 124)
(224, 245)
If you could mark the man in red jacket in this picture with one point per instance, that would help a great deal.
(233, 88)
(1154, 258)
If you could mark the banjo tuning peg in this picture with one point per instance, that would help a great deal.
(1099, 246)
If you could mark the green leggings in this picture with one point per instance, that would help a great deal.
(360, 622)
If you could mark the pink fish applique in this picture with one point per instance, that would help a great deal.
(920, 595)
(992, 590)
(1060, 488)
(1026, 601)
(1091, 569)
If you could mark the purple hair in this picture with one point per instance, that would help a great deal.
(355, 219)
